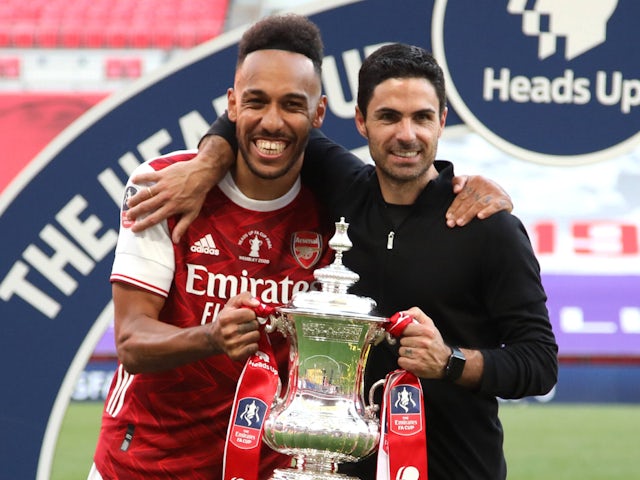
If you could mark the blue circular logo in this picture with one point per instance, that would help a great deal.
(550, 81)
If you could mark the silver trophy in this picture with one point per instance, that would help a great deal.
(322, 420)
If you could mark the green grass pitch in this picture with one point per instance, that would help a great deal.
(553, 441)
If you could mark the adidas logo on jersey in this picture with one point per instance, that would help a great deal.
(205, 245)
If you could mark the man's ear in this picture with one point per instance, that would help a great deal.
(321, 111)
(231, 104)
(443, 120)
(360, 123)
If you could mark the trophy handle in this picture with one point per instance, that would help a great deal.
(275, 321)
(272, 320)
(382, 335)
(373, 408)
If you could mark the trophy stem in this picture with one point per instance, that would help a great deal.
(311, 469)
(312, 464)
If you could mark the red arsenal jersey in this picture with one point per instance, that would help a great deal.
(173, 424)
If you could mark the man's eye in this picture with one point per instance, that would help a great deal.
(254, 102)
(295, 106)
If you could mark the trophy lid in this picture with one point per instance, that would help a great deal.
(335, 280)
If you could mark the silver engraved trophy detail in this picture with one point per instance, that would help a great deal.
(322, 420)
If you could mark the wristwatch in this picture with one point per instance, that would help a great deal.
(454, 368)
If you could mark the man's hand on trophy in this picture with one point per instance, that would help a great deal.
(422, 350)
(236, 329)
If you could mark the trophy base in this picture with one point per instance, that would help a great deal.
(293, 474)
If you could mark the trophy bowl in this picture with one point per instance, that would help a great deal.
(322, 419)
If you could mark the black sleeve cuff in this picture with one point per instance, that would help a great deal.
(225, 128)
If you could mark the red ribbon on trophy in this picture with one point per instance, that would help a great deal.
(402, 422)
(257, 387)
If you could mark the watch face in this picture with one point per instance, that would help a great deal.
(455, 365)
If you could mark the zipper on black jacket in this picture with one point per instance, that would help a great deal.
(390, 240)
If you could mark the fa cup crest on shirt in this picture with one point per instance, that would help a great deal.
(257, 244)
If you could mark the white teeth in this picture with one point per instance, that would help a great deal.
(406, 154)
(270, 148)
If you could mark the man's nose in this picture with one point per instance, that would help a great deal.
(272, 119)
(405, 130)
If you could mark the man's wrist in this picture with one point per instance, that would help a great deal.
(215, 152)
(214, 348)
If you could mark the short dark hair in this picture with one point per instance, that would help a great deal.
(398, 60)
(290, 32)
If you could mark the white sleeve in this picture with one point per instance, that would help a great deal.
(144, 259)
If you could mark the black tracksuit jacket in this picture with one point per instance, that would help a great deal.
(481, 286)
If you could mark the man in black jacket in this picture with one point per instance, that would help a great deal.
(483, 328)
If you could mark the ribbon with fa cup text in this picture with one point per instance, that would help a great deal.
(257, 387)
(402, 421)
